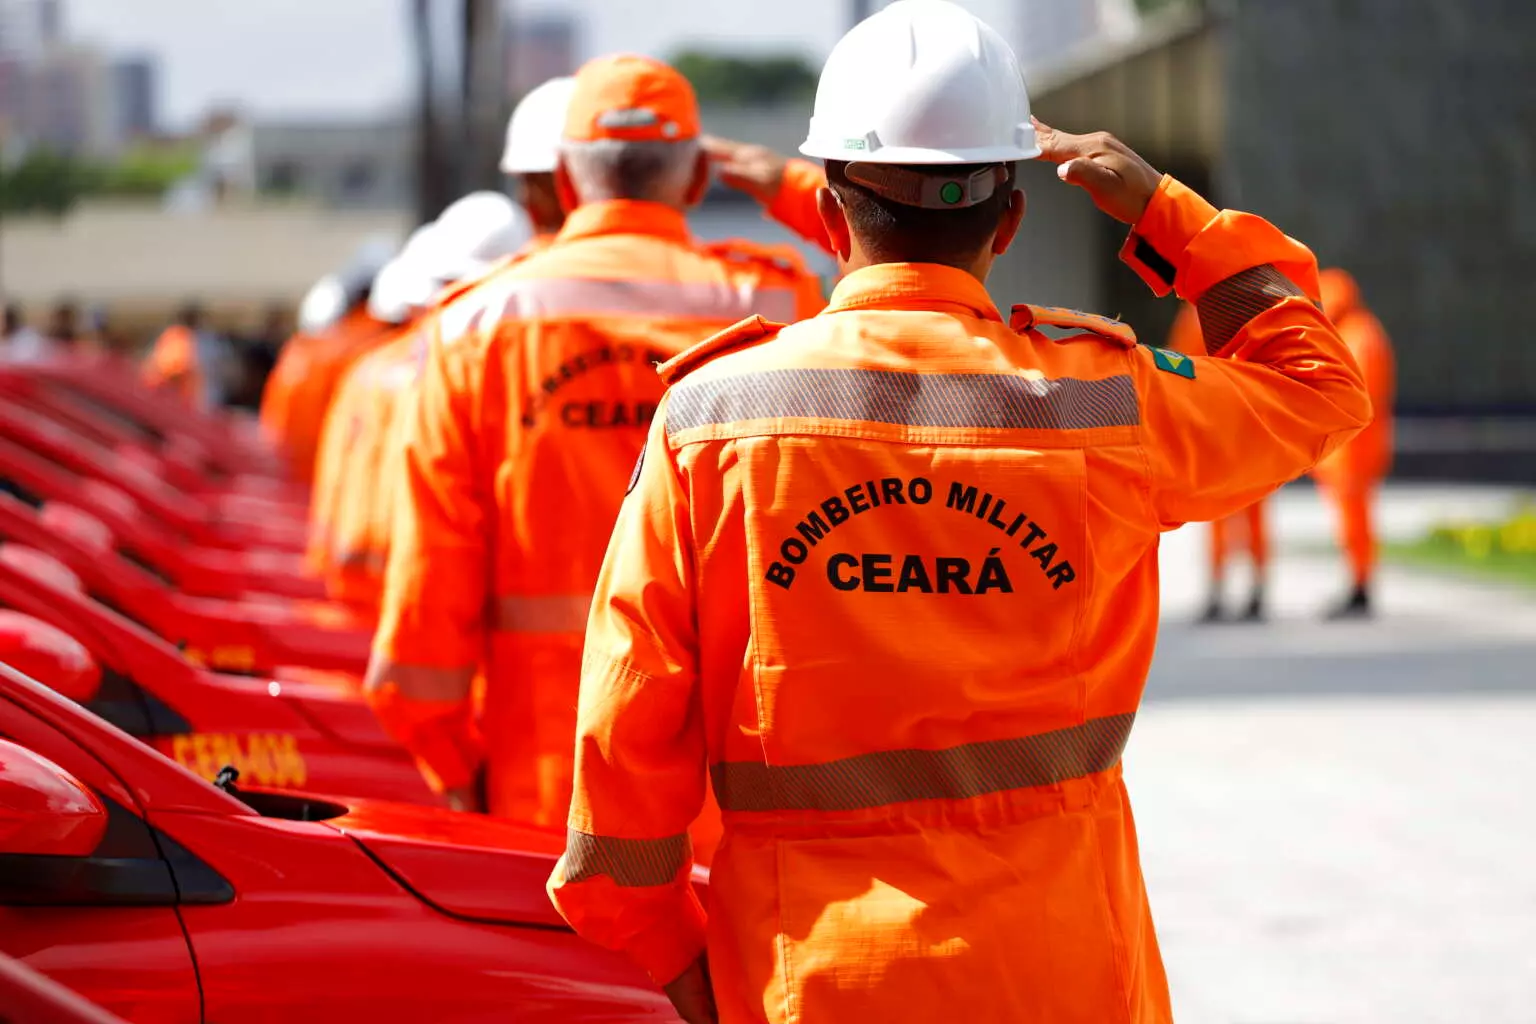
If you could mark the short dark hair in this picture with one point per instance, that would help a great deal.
(894, 232)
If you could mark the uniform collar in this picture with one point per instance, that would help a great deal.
(927, 286)
(625, 217)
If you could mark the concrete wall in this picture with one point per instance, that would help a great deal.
(134, 257)
(1398, 139)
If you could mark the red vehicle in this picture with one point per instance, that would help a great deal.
(224, 452)
(167, 900)
(204, 521)
(250, 635)
(35, 477)
(28, 996)
(286, 733)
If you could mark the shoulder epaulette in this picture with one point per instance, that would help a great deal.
(1027, 318)
(738, 336)
(785, 258)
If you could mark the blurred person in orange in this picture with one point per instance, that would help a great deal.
(484, 227)
(532, 410)
(888, 577)
(1351, 476)
(1247, 529)
(334, 330)
(354, 492)
(187, 360)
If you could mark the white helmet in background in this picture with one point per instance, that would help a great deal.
(323, 305)
(402, 285)
(472, 234)
(922, 82)
(533, 133)
(466, 239)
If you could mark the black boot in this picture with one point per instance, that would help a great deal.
(1213, 612)
(1255, 610)
(1355, 606)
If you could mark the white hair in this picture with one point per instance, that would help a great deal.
(658, 171)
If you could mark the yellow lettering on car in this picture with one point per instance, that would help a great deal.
(240, 659)
(262, 758)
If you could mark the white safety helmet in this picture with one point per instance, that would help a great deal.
(533, 133)
(403, 284)
(922, 82)
(473, 233)
(466, 239)
(323, 305)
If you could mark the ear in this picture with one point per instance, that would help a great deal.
(1008, 227)
(570, 199)
(699, 184)
(835, 219)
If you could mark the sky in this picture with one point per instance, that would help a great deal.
(317, 57)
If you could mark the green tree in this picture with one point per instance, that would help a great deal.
(42, 181)
(732, 80)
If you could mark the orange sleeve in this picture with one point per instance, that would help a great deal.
(431, 632)
(1282, 390)
(624, 881)
(795, 205)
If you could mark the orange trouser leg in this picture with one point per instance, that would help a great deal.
(1357, 529)
(1258, 535)
(1220, 543)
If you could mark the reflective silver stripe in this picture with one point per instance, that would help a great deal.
(421, 682)
(631, 863)
(547, 613)
(898, 776)
(530, 298)
(1228, 305)
(914, 399)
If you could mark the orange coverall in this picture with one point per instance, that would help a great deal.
(349, 522)
(299, 391)
(1350, 476)
(531, 413)
(173, 364)
(360, 455)
(1248, 527)
(890, 575)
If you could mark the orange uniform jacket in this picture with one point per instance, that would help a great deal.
(299, 391)
(888, 578)
(1364, 461)
(173, 364)
(532, 410)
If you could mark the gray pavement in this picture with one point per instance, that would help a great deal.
(1338, 820)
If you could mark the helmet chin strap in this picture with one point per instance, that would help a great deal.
(929, 187)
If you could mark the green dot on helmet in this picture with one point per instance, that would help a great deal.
(951, 192)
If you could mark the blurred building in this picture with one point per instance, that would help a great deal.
(540, 46)
(345, 164)
(29, 26)
(136, 91)
(1048, 30)
(67, 97)
(1396, 137)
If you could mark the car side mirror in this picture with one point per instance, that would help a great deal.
(44, 809)
(49, 655)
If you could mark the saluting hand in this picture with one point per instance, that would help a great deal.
(1120, 182)
(756, 170)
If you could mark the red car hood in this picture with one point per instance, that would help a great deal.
(467, 865)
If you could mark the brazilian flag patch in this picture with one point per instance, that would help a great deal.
(1173, 362)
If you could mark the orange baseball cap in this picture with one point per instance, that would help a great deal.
(632, 98)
